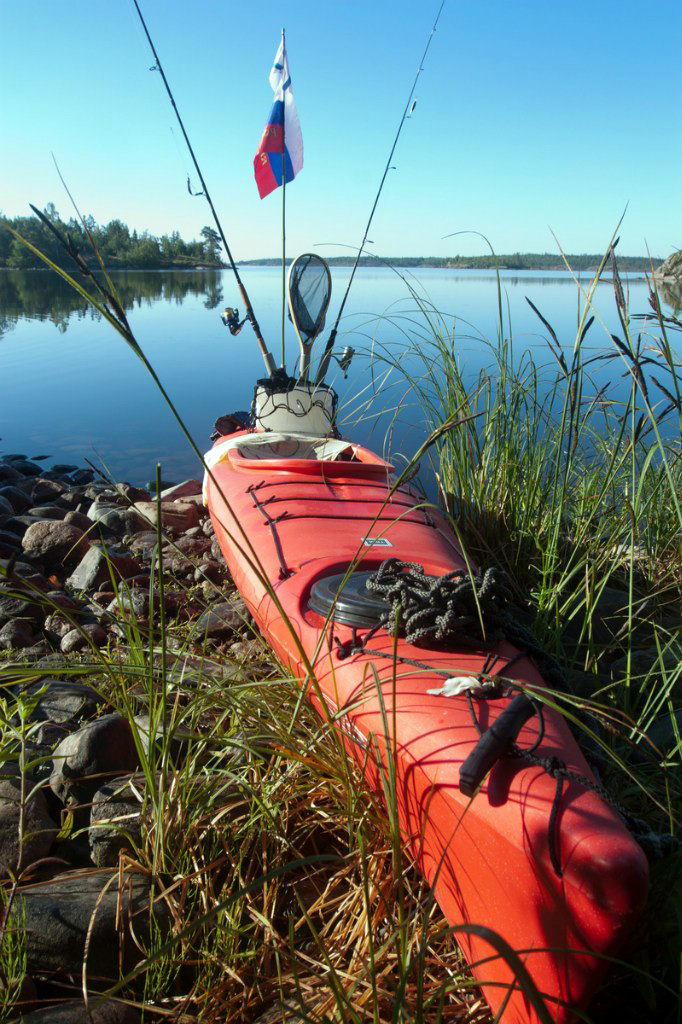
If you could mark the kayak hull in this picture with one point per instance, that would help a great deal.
(285, 522)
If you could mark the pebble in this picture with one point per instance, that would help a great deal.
(88, 635)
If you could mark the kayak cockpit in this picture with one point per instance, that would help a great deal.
(296, 453)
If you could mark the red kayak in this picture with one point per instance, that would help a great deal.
(534, 853)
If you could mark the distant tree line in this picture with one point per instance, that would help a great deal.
(23, 294)
(117, 245)
(514, 261)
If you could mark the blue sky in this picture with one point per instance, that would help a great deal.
(532, 117)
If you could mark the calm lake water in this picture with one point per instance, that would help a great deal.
(70, 388)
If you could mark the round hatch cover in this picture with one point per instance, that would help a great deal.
(354, 606)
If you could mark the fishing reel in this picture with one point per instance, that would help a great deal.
(345, 359)
(230, 317)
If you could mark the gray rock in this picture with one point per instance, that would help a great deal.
(87, 635)
(195, 546)
(102, 502)
(16, 634)
(211, 571)
(63, 468)
(82, 476)
(74, 1012)
(7, 537)
(176, 516)
(61, 600)
(15, 606)
(143, 543)
(96, 568)
(5, 507)
(179, 566)
(116, 819)
(59, 914)
(79, 519)
(46, 490)
(55, 543)
(222, 620)
(207, 528)
(135, 602)
(49, 734)
(121, 521)
(249, 652)
(71, 499)
(52, 662)
(9, 474)
(19, 568)
(105, 746)
(648, 662)
(39, 829)
(18, 498)
(133, 493)
(19, 524)
(26, 468)
(56, 626)
(98, 489)
(63, 701)
(48, 512)
(181, 490)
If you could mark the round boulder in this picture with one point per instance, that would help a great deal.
(55, 543)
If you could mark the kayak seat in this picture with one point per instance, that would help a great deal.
(299, 452)
(318, 449)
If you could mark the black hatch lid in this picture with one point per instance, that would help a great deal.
(355, 605)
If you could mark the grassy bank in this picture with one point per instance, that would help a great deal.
(285, 878)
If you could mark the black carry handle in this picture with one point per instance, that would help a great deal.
(494, 743)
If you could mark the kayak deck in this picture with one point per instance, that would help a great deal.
(284, 523)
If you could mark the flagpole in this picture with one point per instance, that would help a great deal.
(284, 192)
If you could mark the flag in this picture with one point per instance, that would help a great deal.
(282, 135)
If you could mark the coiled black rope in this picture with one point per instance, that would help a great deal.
(456, 606)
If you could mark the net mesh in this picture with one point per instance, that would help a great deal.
(309, 294)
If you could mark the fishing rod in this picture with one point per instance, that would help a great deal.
(250, 315)
(409, 107)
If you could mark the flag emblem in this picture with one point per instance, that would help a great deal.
(281, 148)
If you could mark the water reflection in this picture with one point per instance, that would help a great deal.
(671, 292)
(42, 295)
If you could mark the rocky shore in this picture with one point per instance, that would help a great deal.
(79, 573)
